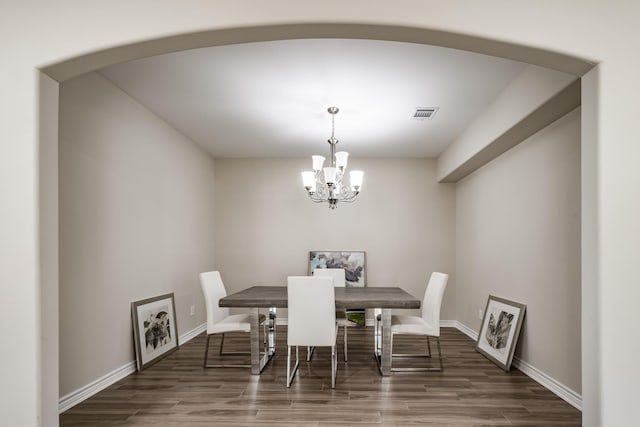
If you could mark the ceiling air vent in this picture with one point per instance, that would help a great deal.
(424, 113)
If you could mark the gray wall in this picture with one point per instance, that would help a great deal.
(143, 210)
(266, 225)
(518, 237)
(136, 220)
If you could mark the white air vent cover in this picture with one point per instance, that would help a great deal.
(424, 113)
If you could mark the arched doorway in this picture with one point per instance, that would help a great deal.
(79, 65)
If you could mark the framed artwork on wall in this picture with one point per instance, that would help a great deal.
(500, 330)
(154, 329)
(353, 262)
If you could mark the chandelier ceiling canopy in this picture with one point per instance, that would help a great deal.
(327, 184)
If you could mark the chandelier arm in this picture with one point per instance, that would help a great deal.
(351, 200)
(314, 200)
(350, 197)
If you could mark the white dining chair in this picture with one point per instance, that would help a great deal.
(312, 319)
(339, 280)
(427, 325)
(219, 319)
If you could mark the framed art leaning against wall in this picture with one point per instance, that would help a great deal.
(500, 330)
(353, 263)
(154, 329)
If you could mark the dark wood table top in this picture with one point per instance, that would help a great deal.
(367, 297)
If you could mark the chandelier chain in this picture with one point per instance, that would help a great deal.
(333, 125)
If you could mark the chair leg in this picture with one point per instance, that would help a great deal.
(439, 369)
(206, 351)
(290, 374)
(288, 366)
(229, 353)
(334, 366)
(345, 343)
(310, 351)
(439, 353)
(391, 353)
(206, 356)
(221, 344)
(377, 334)
(265, 339)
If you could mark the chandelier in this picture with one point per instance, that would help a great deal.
(327, 184)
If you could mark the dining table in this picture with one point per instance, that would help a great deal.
(383, 299)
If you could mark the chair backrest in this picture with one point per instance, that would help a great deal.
(336, 273)
(213, 290)
(312, 311)
(433, 298)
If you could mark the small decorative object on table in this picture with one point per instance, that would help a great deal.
(353, 263)
(500, 329)
(154, 329)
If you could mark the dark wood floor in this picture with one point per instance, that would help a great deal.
(471, 391)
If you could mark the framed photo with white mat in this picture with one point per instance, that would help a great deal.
(155, 332)
(354, 265)
(500, 330)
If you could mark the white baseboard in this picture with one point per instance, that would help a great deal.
(560, 390)
(75, 397)
(189, 335)
(571, 397)
(462, 328)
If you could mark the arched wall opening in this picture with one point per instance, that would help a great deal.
(88, 62)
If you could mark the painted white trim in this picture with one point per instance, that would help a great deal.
(189, 335)
(75, 397)
(83, 393)
(565, 393)
(560, 390)
(448, 324)
(465, 330)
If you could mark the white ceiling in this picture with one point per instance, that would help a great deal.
(270, 99)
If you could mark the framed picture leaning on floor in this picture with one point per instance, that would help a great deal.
(353, 263)
(500, 330)
(155, 333)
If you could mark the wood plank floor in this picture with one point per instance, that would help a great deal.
(471, 391)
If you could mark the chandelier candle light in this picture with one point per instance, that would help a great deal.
(326, 184)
